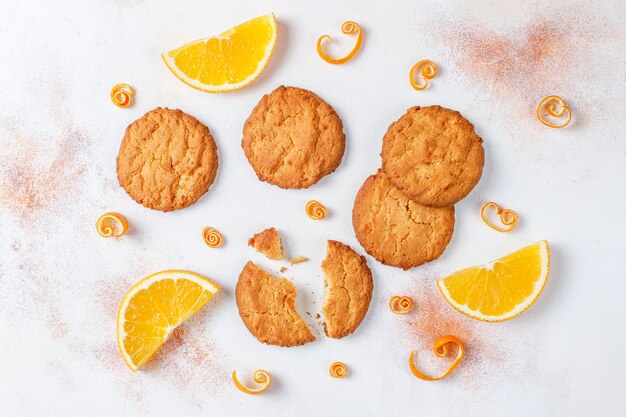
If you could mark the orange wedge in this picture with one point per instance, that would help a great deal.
(225, 62)
(154, 307)
(502, 289)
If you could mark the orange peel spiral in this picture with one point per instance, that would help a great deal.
(508, 217)
(338, 370)
(212, 237)
(122, 95)
(260, 377)
(400, 304)
(555, 107)
(112, 224)
(428, 70)
(348, 28)
(440, 348)
(315, 210)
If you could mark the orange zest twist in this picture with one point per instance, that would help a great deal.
(315, 210)
(440, 348)
(427, 68)
(122, 95)
(348, 28)
(400, 305)
(555, 107)
(507, 217)
(338, 370)
(112, 224)
(212, 237)
(260, 377)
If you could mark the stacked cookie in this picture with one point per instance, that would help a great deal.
(404, 214)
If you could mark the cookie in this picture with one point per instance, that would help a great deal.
(433, 155)
(396, 230)
(293, 138)
(267, 306)
(348, 290)
(167, 160)
(268, 243)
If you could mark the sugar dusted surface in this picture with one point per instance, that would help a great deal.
(61, 283)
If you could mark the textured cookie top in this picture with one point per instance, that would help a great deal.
(167, 160)
(395, 229)
(348, 289)
(293, 138)
(267, 306)
(268, 242)
(433, 155)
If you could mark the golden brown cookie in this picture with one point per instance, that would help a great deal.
(267, 306)
(293, 138)
(268, 243)
(167, 160)
(348, 289)
(433, 155)
(395, 229)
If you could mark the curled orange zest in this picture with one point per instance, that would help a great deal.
(555, 107)
(315, 210)
(400, 305)
(428, 69)
(507, 217)
(212, 237)
(348, 28)
(338, 370)
(112, 224)
(260, 377)
(122, 95)
(440, 348)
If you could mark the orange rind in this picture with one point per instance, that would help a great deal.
(440, 348)
(427, 69)
(315, 210)
(338, 370)
(508, 217)
(112, 224)
(260, 377)
(554, 106)
(212, 237)
(122, 95)
(401, 304)
(347, 28)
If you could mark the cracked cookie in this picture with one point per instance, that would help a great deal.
(433, 155)
(348, 289)
(267, 306)
(293, 138)
(167, 160)
(395, 229)
(268, 243)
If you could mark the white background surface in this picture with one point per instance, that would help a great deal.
(60, 283)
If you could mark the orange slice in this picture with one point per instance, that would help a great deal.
(502, 289)
(154, 307)
(228, 61)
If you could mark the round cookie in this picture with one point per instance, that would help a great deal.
(293, 138)
(395, 229)
(433, 155)
(167, 160)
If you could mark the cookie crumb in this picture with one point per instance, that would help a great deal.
(268, 242)
(298, 260)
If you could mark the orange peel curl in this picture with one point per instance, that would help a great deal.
(440, 348)
(315, 210)
(555, 107)
(338, 370)
(508, 217)
(212, 237)
(349, 27)
(428, 70)
(112, 224)
(122, 95)
(260, 377)
(400, 304)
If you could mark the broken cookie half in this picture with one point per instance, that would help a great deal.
(267, 306)
(348, 287)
